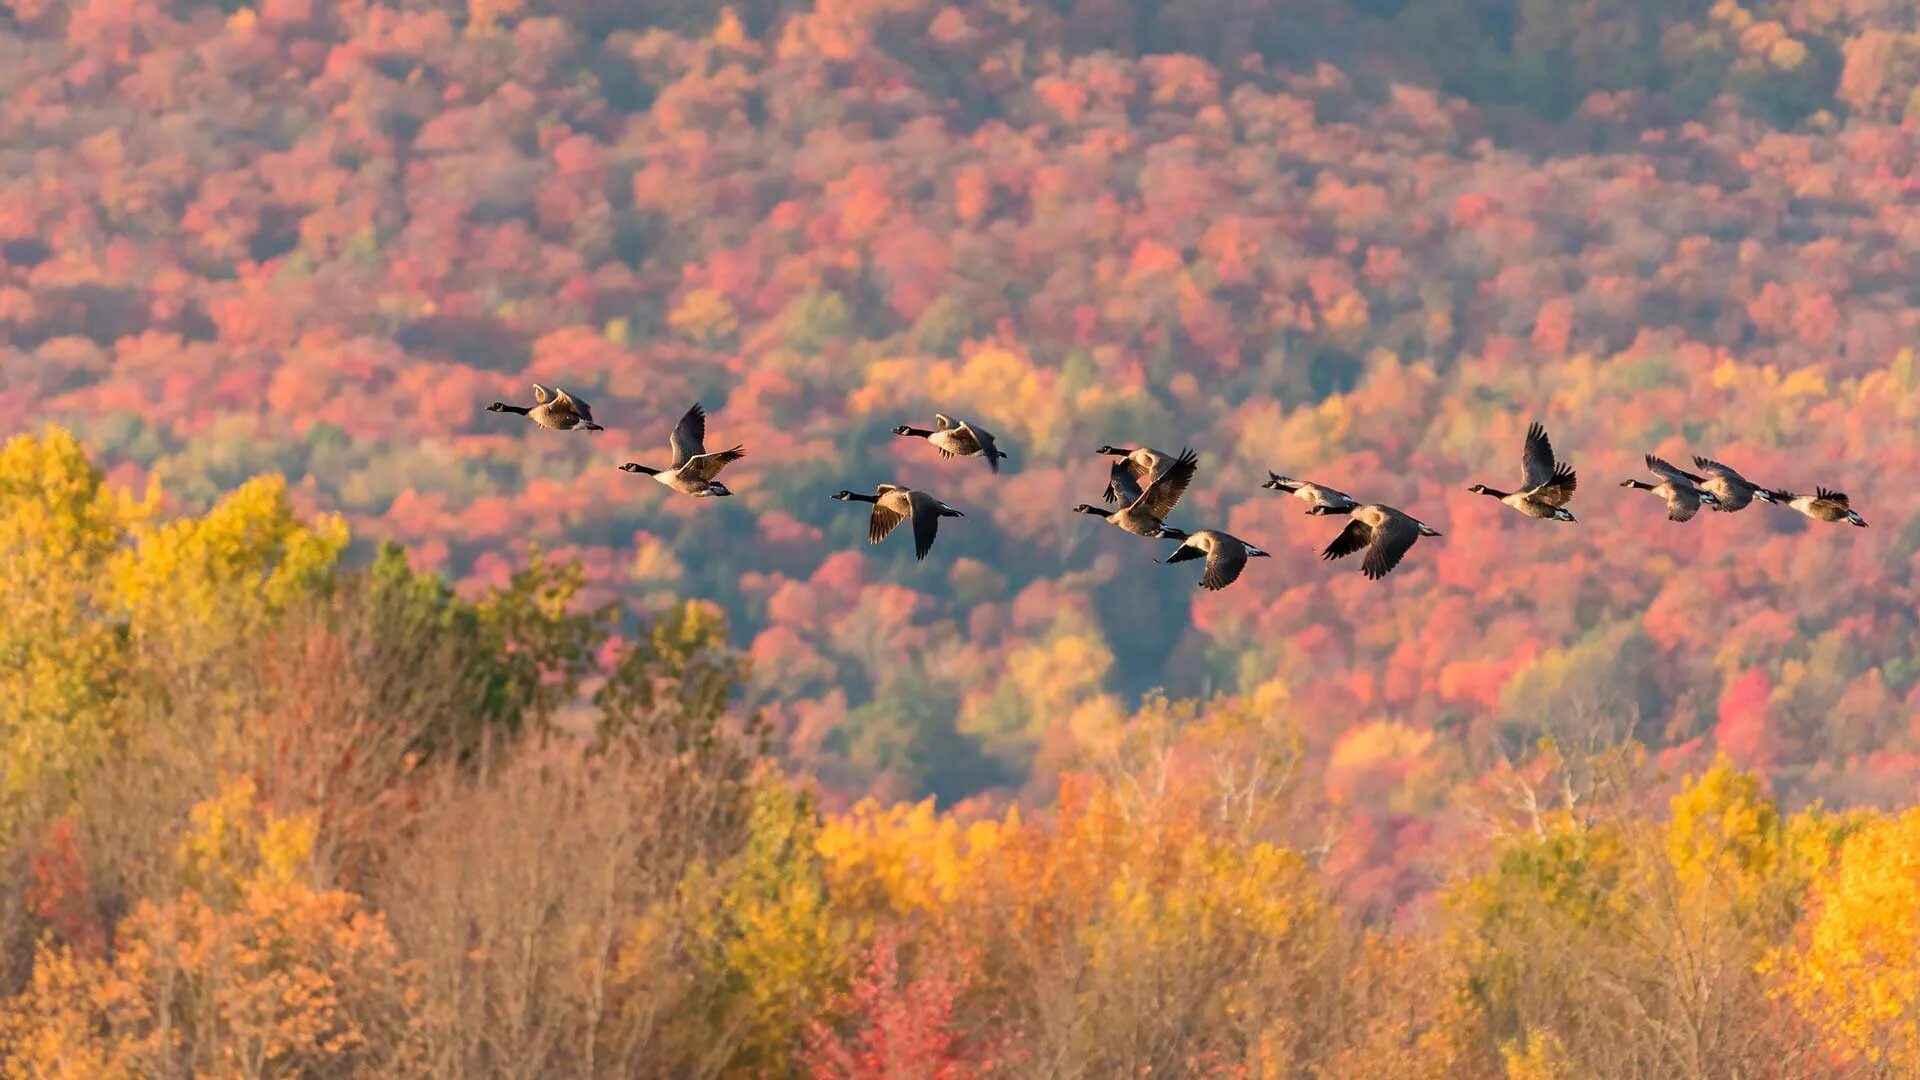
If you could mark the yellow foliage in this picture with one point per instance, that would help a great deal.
(232, 841)
(1543, 1057)
(1856, 973)
(704, 315)
(1724, 833)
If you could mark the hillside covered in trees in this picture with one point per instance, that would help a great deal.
(1362, 241)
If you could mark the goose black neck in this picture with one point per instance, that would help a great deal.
(645, 469)
(857, 497)
(517, 410)
(913, 432)
(1639, 485)
(1495, 493)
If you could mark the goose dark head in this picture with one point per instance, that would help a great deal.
(498, 406)
(1709, 498)
(1113, 451)
(1083, 508)
(1564, 514)
(844, 495)
(1856, 520)
(903, 429)
(1166, 532)
(716, 488)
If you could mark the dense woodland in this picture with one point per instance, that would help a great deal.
(352, 730)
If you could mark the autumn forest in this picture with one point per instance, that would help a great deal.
(348, 729)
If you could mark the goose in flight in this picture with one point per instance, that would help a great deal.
(1311, 493)
(694, 471)
(893, 504)
(1548, 484)
(1734, 491)
(1683, 499)
(1823, 505)
(1146, 514)
(559, 410)
(1133, 470)
(1225, 553)
(1383, 532)
(957, 438)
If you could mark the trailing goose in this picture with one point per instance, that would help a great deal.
(559, 410)
(1822, 505)
(1225, 553)
(693, 471)
(1734, 491)
(1683, 499)
(1385, 533)
(1141, 465)
(957, 438)
(1146, 514)
(1548, 484)
(1310, 493)
(893, 504)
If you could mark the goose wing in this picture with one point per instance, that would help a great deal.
(708, 466)
(1666, 471)
(1714, 468)
(565, 400)
(1164, 492)
(983, 439)
(540, 395)
(1357, 535)
(1226, 558)
(689, 438)
(1683, 502)
(1390, 544)
(1122, 486)
(1559, 487)
(925, 511)
(1837, 498)
(888, 512)
(1536, 460)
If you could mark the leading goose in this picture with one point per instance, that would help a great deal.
(1146, 514)
(1823, 505)
(956, 438)
(693, 471)
(1683, 499)
(1548, 484)
(1734, 491)
(1139, 467)
(559, 410)
(893, 504)
(1385, 533)
(1225, 553)
(1311, 493)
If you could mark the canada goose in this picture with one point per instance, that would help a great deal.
(1734, 491)
(559, 410)
(1548, 484)
(693, 470)
(1822, 505)
(1146, 514)
(957, 438)
(1384, 532)
(893, 504)
(1312, 494)
(1225, 553)
(1141, 465)
(1683, 499)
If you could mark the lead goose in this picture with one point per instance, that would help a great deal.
(1134, 470)
(1146, 514)
(693, 471)
(1383, 532)
(1683, 499)
(1548, 484)
(1823, 505)
(956, 438)
(893, 504)
(559, 410)
(1311, 493)
(1225, 553)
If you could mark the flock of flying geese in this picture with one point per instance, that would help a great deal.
(1145, 484)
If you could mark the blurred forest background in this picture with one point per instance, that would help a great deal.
(352, 730)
